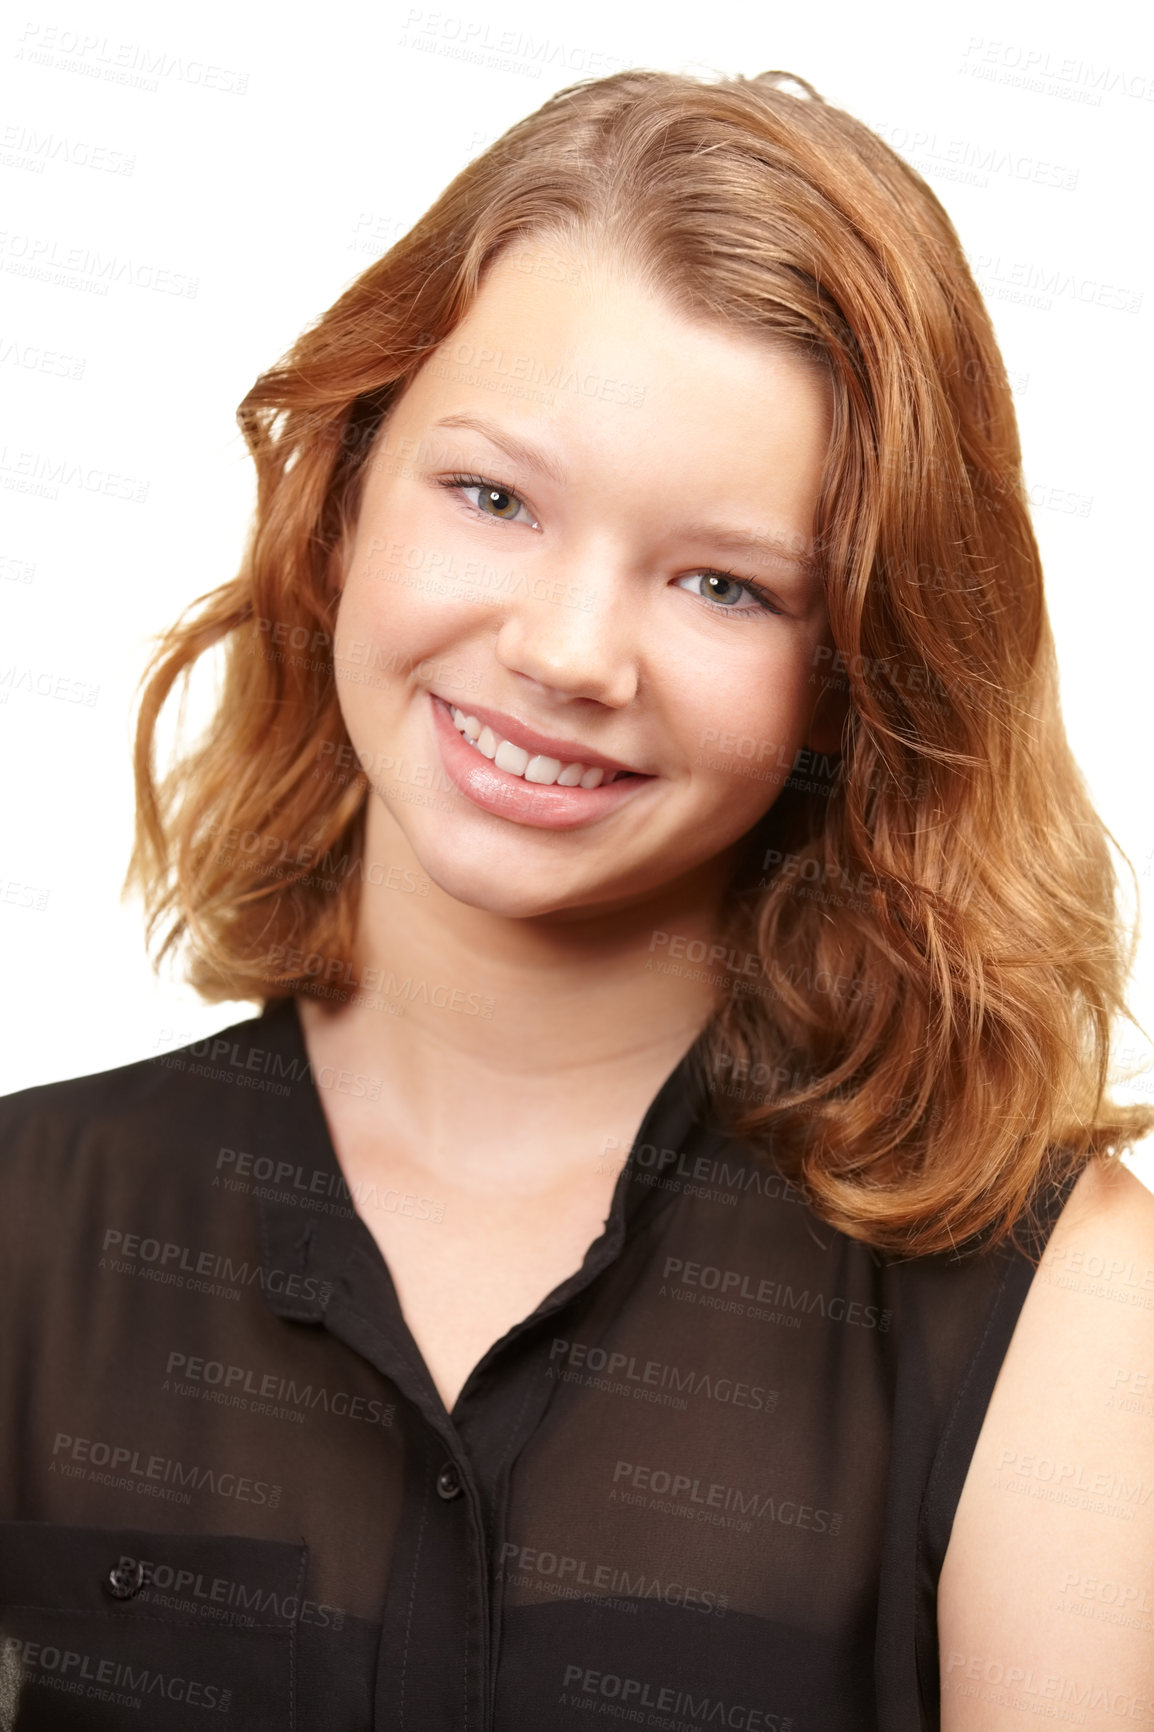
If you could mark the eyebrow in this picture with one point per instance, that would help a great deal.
(756, 547)
(517, 449)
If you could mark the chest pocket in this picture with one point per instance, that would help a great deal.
(102, 1628)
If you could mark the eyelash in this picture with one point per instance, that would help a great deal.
(456, 482)
(762, 602)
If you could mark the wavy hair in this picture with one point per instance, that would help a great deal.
(939, 952)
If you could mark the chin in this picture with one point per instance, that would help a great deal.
(487, 880)
(500, 880)
(495, 891)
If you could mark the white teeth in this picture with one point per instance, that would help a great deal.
(512, 758)
(545, 770)
(518, 762)
(468, 725)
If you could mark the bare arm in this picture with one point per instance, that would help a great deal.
(1046, 1599)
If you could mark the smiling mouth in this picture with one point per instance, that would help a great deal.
(535, 768)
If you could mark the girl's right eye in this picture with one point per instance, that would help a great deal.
(494, 499)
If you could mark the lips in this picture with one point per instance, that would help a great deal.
(529, 739)
(545, 805)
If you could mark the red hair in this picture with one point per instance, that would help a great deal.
(948, 870)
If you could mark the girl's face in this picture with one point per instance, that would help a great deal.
(582, 541)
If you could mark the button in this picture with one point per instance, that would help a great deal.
(448, 1482)
(125, 1579)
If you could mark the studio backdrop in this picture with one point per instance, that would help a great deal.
(185, 189)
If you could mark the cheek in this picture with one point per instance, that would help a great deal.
(755, 716)
(394, 607)
(743, 741)
(374, 648)
(382, 589)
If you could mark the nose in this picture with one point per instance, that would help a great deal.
(575, 632)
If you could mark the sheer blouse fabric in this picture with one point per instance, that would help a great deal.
(708, 1482)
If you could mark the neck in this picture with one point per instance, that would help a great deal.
(465, 1010)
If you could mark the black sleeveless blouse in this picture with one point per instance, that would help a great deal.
(708, 1483)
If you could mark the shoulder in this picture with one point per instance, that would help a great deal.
(1102, 1248)
(1059, 1498)
(109, 1092)
(1090, 1306)
(51, 1131)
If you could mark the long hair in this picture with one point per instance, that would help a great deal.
(922, 1040)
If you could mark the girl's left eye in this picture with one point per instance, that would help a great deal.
(493, 499)
(723, 592)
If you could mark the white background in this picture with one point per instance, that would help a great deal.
(258, 159)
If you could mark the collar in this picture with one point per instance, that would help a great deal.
(307, 1221)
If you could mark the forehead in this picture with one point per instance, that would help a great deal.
(582, 323)
(572, 352)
